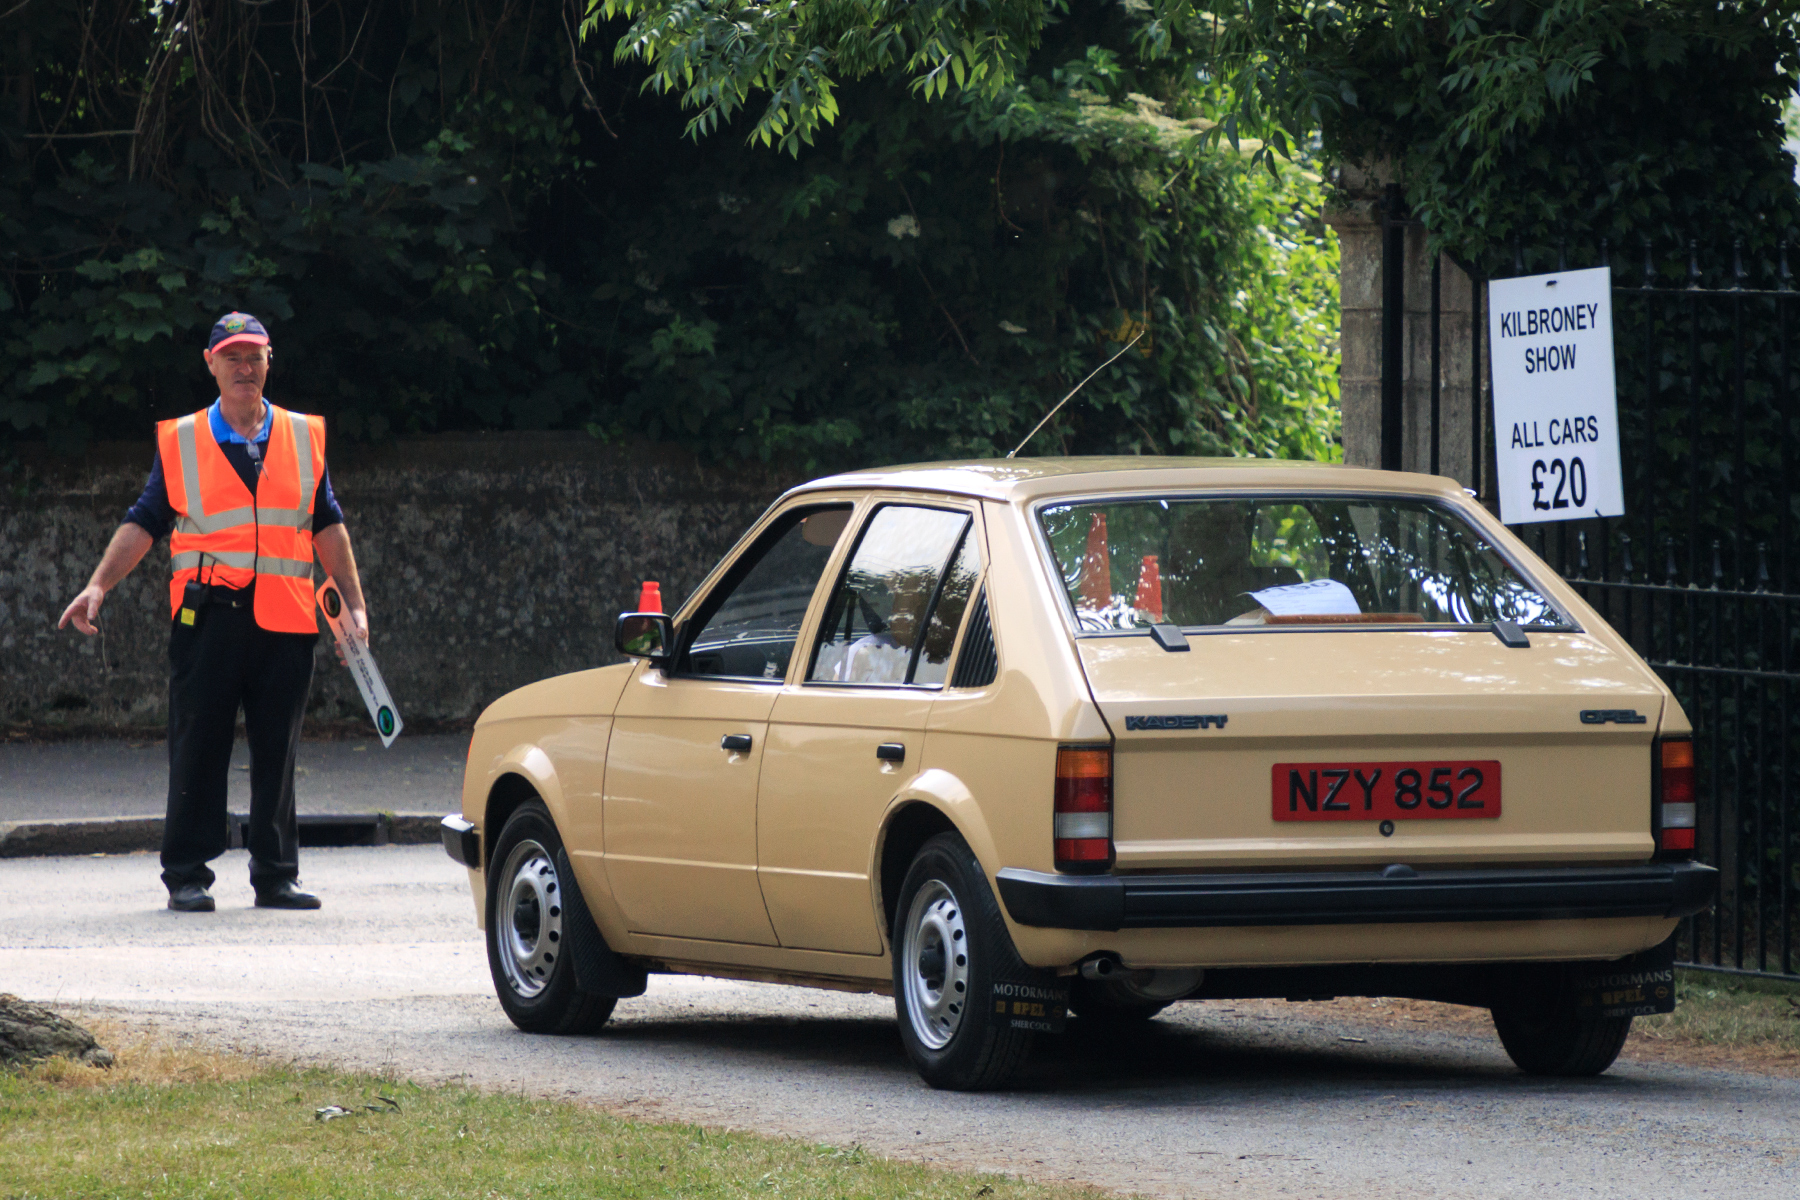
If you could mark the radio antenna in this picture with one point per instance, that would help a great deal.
(1109, 362)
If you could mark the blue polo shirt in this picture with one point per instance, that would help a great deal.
(224, 434)
(155, 516)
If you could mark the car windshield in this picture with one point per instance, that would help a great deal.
(1282, 560)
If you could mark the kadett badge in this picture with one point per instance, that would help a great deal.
(1189, 721)
(362, 665)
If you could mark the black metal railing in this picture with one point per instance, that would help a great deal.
(1699, 575)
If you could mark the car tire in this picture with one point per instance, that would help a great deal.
(533, 976)
(1103, 1002)
(1551, 1038)
(950, 944)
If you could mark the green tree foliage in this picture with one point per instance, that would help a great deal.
(461, 215)
(720, 55)
(1538, 122)
(1078, 214)
(1505, 120)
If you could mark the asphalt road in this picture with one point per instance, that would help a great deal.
(1210, 1100)
(62, 780)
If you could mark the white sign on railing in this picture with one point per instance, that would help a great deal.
(1556, 410)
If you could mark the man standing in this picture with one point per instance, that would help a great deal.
(242, 489)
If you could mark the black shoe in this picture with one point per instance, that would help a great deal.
(191, 897)
(285, 895)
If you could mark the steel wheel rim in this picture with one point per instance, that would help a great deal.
(934, 957)
(529, 919)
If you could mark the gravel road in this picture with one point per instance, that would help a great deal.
(1216, 1099)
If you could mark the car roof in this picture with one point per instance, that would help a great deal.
(1014, 480)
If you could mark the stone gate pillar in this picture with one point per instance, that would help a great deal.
(1362, 220)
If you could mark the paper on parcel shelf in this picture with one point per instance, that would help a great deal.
(361, 663)
(1319, 597)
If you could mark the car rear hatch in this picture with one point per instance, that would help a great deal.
(1226, 755)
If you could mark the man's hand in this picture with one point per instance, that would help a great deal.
(332, 546)
(128, 546)
(359, 629)
(84, 609)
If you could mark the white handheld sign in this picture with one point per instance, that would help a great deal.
(361, 663)
(1556, 408)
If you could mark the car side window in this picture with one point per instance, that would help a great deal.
(884, 616)
(947, 614)
(749, 626)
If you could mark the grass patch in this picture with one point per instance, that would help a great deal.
(1730, 1011)
(169, 1121)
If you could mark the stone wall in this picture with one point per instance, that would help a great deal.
(490, 560)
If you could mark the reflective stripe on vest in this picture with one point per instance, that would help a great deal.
(244, 560)
(219, 538)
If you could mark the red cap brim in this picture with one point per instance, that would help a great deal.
(254, 339)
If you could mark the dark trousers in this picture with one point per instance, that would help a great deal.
(222, 662)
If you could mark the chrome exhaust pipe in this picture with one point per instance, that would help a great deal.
(1164, 985)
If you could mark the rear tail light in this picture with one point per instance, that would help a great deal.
(1084, 808)
(1675, 795)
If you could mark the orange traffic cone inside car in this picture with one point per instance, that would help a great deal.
(1096, 567)
(650, 599)
(1149, 593)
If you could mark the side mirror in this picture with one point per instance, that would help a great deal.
(644, 635)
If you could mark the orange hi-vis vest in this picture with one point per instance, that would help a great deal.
(224, 534)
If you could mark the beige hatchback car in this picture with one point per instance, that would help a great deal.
(1011, 739)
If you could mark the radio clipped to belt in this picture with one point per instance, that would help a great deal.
(194, 597)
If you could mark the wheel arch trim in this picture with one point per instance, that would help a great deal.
(934, 796)
(525, 766)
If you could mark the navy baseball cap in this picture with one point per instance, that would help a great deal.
(235, 327)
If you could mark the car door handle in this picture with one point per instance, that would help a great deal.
(891, 752)
(735, 741)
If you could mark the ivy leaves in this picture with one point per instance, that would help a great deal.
(982, 225)
(1531, 120)
(716, 54)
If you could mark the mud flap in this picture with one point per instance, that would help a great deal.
(598, 971)
(1640, 986)
(1034, 1000)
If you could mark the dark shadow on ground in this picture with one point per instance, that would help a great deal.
(1182, 1050)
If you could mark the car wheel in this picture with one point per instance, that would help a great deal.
(1550, 1038)
(533, 976)
(950, 944)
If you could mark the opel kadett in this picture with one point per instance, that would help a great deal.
(1023, 739)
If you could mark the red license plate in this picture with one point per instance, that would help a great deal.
(1385, 791)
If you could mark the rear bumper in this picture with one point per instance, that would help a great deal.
(462, 841)
(1113, 902)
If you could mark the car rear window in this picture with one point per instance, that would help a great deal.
(1284, 560)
